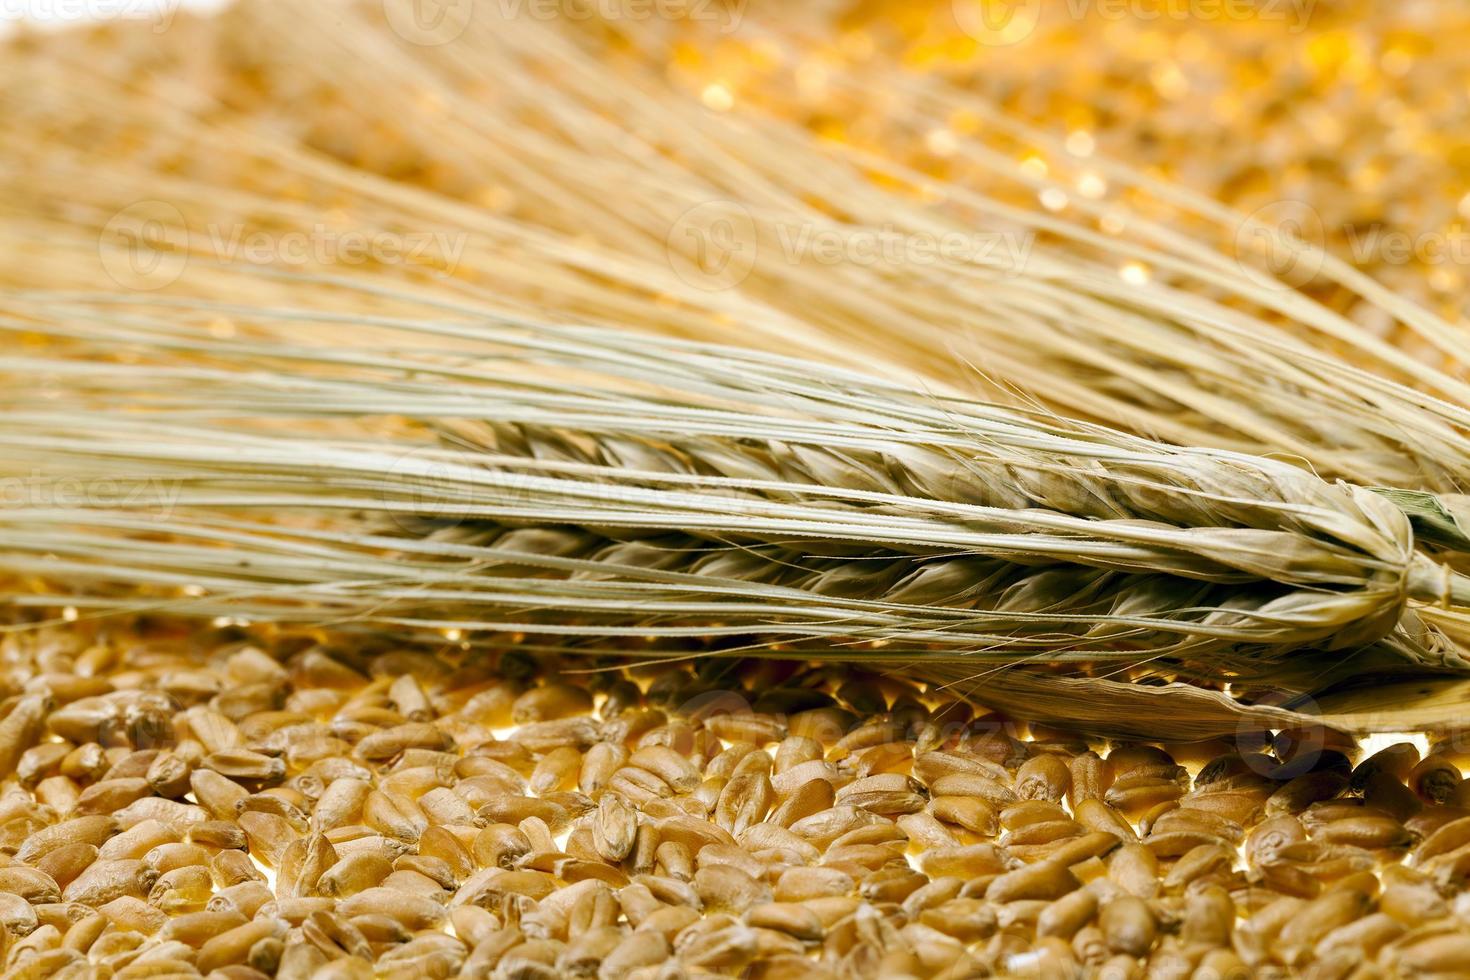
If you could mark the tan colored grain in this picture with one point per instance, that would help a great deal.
(1043, 881)
(1043, 777)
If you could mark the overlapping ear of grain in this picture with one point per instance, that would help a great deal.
(600, 485)
(1204, 349)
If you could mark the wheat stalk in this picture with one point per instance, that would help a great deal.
(1181, 362)
(929, 614)
(1183, 357)
(752, 463)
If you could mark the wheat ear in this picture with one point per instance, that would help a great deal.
(627, 437)
(1208, 352)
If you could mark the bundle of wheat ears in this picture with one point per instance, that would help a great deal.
(595, 483)
(480, 421)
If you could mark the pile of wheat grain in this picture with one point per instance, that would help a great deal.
(199, 803)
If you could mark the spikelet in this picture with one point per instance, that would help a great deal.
(1211, 350)
(673, 489)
